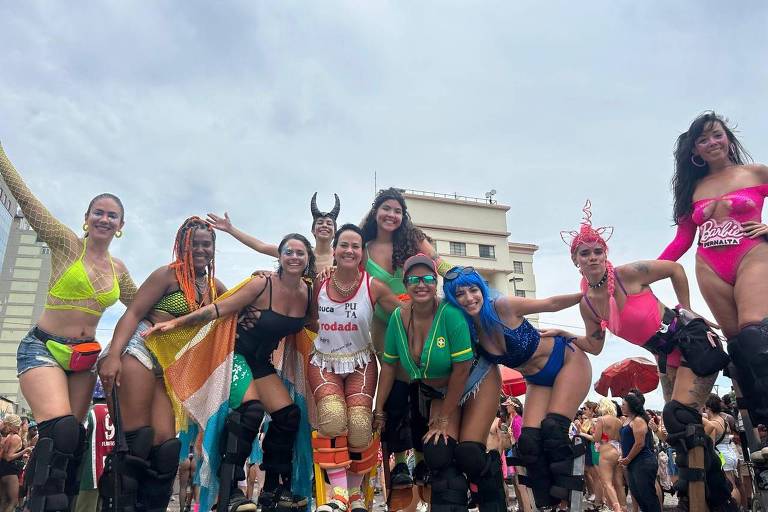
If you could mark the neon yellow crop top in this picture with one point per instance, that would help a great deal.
(74, 290)
(70, 287)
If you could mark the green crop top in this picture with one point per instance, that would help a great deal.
(175, 303)
(393, 281)
(448, 342)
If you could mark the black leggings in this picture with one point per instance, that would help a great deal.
(641, 474)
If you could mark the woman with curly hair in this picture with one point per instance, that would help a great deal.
(186, 285)
(55, 359)
(718, 192)
(268, 309)
(390, 238)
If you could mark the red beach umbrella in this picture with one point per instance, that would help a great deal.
(512, 382)
(633, 372)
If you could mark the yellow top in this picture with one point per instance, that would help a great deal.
(71, 286)
(74, 290)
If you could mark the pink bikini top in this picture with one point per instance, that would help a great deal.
(743, 204)
(640, 317)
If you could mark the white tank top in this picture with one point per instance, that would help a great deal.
(343, 342)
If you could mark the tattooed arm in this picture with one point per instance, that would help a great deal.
(248, 293)
(646, 273)
(592, 342)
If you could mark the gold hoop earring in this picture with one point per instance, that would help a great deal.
(85, 227)
(118, 233)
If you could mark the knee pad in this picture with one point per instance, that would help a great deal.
(46, 473)
(529, 453)
(397, 430)
(484, 470)
(278, 442)
(119, 482)
(157, 485)
(561, 453)
(359, 430)
(749, 353)
(332, 416)
(365, 459)
(449, 489)
(439, 455)
(240, 429)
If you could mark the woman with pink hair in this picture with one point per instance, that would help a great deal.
(689, 355)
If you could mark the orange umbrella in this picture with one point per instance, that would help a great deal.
(633, 372)
(512, 381)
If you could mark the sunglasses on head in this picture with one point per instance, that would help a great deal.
(458, 271)
(429, 279)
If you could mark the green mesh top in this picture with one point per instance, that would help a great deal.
(174, 303)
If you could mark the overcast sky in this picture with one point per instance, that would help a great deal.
(182, 108)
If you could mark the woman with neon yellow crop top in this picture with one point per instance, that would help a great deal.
(55, 359)
(457, 392)
(169, 292)
(389, 238)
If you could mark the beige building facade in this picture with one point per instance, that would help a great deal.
(471, 231)
(26, 269)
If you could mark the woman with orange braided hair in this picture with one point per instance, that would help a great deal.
(185, 285)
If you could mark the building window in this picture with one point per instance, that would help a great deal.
(487, 251)
(458, 249)
(519, 293)
(45, 250)
(517, 267)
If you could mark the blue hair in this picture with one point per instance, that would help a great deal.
(489, 318)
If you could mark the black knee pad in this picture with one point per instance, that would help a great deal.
(449, 489)
(439, 455)
(484, 470)
(397, 429)
(561, 453)
(123, 472)
(48, 468)
(240, 429)
(529, 453)
(157, 485)
(749, 353)
(278, 441)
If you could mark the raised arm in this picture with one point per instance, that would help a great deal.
(48, 228)
(686, 232)
(592, 342)
(441, 265)
(225, 224)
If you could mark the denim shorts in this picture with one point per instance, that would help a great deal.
(32, 352)
(138, 349)
(480, 368)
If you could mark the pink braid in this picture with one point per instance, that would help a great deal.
(612, 322)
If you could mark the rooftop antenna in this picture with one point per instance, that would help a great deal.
(489, 196)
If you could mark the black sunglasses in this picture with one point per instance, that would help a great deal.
(458, 271)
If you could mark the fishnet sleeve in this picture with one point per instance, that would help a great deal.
(58, 237)
(127, 288)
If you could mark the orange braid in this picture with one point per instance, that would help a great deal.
(183, 266)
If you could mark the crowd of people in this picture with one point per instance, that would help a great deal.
(396, 361)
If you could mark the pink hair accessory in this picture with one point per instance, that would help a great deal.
(589, 235)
